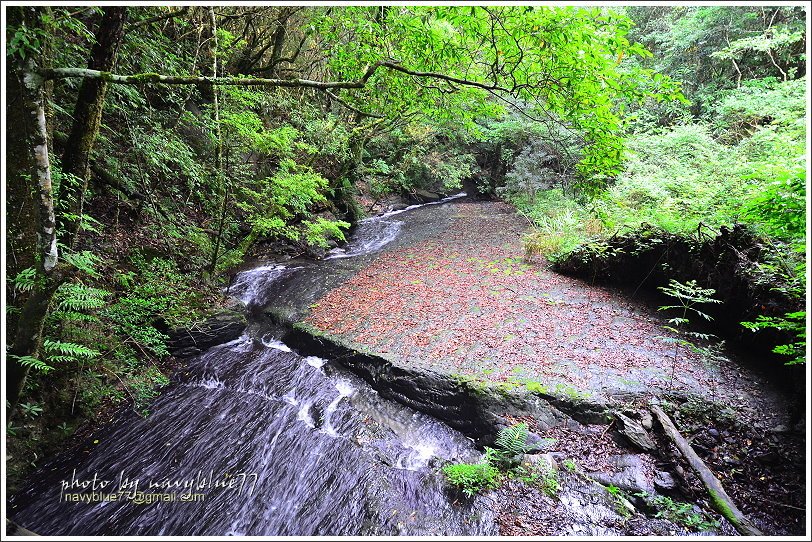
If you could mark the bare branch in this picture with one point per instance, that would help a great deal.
(353, 109)
(156, 19)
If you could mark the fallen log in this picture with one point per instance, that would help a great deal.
(719, 499)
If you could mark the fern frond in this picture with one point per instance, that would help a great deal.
(33, 363)
(513, 439)
(66, 351)
(25, 280)
(73, 316)
(75, 297)
(84, 261)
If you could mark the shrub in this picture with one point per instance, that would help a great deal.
(537, 167)
(472, 478)
(684, 514)
(511, 445)
(740, 112)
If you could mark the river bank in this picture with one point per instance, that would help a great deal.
(387, 411)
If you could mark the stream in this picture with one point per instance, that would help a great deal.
(253, 439)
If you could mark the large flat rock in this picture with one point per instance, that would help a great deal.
(464, 303)
(453, 296)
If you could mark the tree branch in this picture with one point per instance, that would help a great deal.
(435, 75)
(353, 109)
(719, 499)
(156, 78)
(156, 19)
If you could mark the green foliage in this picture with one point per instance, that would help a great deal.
(317, 232)
(472, 478)
(26, 40)
(772, 41)
(512, 441)
(792, 322)
(67, 352)
(25, 280)
(779, 210)
(619, 500)
(32, 363)
(559, 224)
(31, 410)
(682, 179)
(144, 387)
(547, 480)
(416, 157)
(757, 103)
(689, 296)
(684, 514)
(525, 46)
(12, 429)
(75, 297)
(511, 445)
(282, 206)
(162, 295)
(712, 49)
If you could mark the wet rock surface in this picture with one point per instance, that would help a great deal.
(383, 305)
(627, 472)
(727, 261)
(453, 296)
(218, 329)
(635, 433)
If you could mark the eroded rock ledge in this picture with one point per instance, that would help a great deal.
(477, 411)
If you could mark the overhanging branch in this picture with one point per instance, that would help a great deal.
(156, 78)
(352, 108)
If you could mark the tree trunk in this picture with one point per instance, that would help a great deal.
(219, 180)
(21, 205)
(87, 114)
(342, 186)
(28, 338)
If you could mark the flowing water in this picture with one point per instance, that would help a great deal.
(372, 234)
(254, 439)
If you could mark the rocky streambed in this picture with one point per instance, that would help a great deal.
(448, 319)
(353, 379)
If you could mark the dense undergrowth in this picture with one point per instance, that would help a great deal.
(744, 164)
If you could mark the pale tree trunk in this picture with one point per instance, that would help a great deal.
(87, 114)
(28, 337)
(219, 178)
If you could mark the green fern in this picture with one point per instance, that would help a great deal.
(513, 440)
(33, 363)
(65, 352)
(73, 316)
(76, 297)
(84, 261)
(25, 280)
